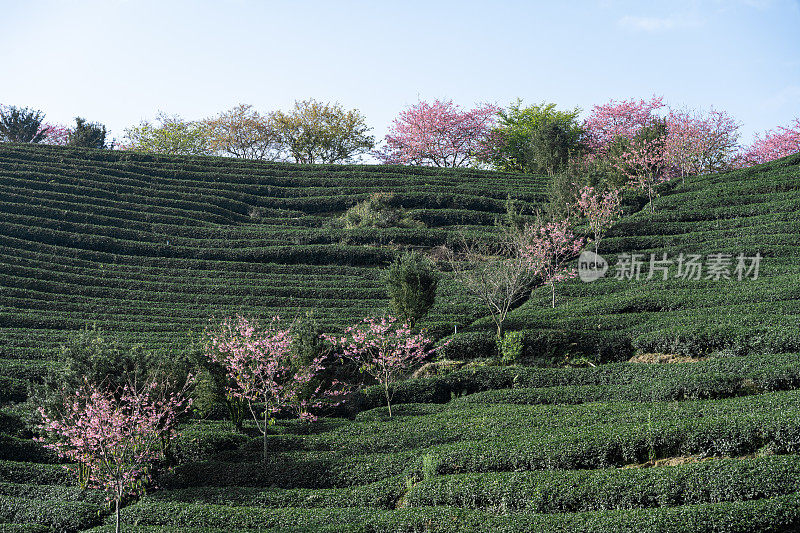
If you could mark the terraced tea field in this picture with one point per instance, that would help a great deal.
(154, 246)
(516, 449)
(749, 212)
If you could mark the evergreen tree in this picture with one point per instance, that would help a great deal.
(87, 134)
(22, 125)
(411, 283)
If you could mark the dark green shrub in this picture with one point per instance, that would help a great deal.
(411, 283)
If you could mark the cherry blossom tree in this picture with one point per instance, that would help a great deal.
(601, 209)
(439, 134)
(698, 143)
(547, 248)
(384, 349)
(643, 165)
(55, 134)
(115, 436)
(774, 144)
(608, 122)
(260, 368)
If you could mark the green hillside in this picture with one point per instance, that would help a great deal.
(751, 211)
(154, 246)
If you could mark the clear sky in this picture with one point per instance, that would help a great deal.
(120, 61)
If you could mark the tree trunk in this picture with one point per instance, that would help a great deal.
(116, 529)
(388, 401)
(265, 434)
(553, 288)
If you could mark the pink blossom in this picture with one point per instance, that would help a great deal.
(616, 119)
(774, 144)
(262, 374)
(600, 209)
(56, 134)
(115, 441)
(699, 143)
(547, 248)
(383, 349)
(439, 134)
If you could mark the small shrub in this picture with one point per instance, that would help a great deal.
(511, 347)
(430, 466)
(376, 212)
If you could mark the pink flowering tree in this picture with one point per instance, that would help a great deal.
(774, 144)
(601, 210)
(439, 134)
(698, 143)
(642, 161)
(631, 137)
(262, 373)
(619, 119)
(115, 437)
(384, 349)
(55, 134)
(547, 248)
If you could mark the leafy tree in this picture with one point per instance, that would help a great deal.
(212, 388)
(94, 356)
(535, 139)
(307, 343)
(172, 135)
(115, 436)
(314, 132)
(377, 211)
(101, 358)
(383, 349)
(87, 134)
(308, 346)
(243, 132)
(550, 147)
(22, 125)
(411, 283)
(699, 143)
(439, 134)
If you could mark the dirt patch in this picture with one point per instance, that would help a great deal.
(437, 368)
(663, 358)
(682, 460)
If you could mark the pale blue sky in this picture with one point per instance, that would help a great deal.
(120, 61)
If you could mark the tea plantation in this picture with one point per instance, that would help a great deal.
(152, 247)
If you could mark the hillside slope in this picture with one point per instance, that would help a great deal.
(751, 211)
(153, 246)
(709, 446)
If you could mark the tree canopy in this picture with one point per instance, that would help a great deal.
(537, 139)
(313, 132)
(22, 125)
